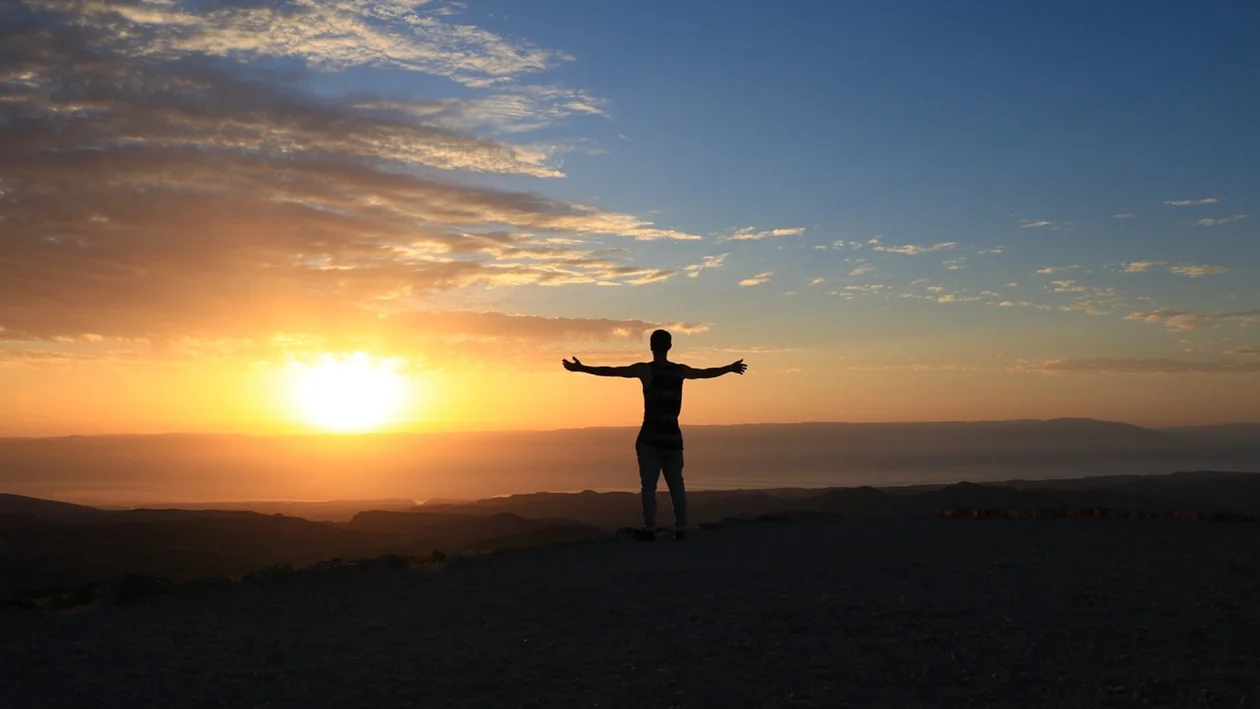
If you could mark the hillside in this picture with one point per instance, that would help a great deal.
(83, 546)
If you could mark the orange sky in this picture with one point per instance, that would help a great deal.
(256, 397)
(181, 220)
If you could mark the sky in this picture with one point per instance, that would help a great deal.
(894, 211)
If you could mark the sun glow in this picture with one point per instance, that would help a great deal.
(350, 393)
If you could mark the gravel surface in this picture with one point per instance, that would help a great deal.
(895, 613)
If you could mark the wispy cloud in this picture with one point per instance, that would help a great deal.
(910, 249)
(1179, 320)
(757, 279)
(1034, 223)
(914, 367)
(955, 298)
(532, 327)
(1191, 202)
(1143, 266)
(396, 34)
(848, 292)
(1144, 366)
(1024, 304)
(862, 270)
(1181, 269)
(511, 109)
(1066, 287)
(1221, 220)
(1056, 269)
(653, 276)
(1195, 271)
(1126, 215)
(175, 157)
(751, 233)
(707, 262)
(955, 264)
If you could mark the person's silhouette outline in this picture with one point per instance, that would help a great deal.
(659, 445)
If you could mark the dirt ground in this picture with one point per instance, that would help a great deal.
(884, 613)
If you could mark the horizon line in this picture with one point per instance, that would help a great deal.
(434, 432)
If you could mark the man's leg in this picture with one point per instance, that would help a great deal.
(649, 473)
(672, 462)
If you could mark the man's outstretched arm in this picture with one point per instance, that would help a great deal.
(732, 368)
(632, 371)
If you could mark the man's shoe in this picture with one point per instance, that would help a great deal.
(680, 535)
(645, 535)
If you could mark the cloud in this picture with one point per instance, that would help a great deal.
(758, 350)
(510, 110)
(1127, 215)
(654, 276)
(757, 279)
(157, 183)
(910, 249)
(1066, 287)
(1087, 306)
(330, 35)
(817, 281)
(707, 262)
(1191, 202)
(1195, 271)
(114, 103)
(486, 324)
(1178, 320)
(460, 336)
(1181, 269)
(1145, 366)
(1034, 224)
(750, 233)
(1024, 304)
(1056, 269)
(1221, 220)
(993, 250)
(868, 289)
(915, 367)
(954, 264)
(862, 270)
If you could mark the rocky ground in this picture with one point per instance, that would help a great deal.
(894, 613)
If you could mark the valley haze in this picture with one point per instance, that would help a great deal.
(395, 469)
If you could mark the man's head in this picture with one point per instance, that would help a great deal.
(661, 341)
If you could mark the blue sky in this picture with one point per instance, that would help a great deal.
(1018, 190)
(926, 124)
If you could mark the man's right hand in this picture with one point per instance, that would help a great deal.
(737, 367)
(574, 366)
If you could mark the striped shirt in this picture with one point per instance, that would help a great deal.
(662, 402)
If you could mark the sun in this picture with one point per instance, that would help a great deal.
(349, 393)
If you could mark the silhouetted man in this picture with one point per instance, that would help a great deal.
(660, 443)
